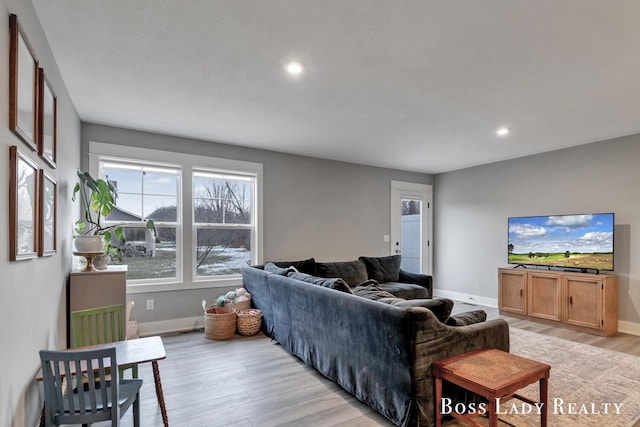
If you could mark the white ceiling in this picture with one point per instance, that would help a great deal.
(418, 85)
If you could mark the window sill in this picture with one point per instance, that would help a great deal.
(139, 288)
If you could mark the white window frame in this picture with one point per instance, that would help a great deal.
(188, 163)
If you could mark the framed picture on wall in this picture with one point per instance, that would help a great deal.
(23, 86)
(48, 209)
(23, 206)
(47, 123)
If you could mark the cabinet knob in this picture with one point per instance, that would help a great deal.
(521, 293)
(570, 300)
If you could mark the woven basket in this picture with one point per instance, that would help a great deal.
(249, 322)
(219, 323)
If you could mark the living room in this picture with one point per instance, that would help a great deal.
(335, 210)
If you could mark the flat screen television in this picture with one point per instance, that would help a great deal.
(582, 242)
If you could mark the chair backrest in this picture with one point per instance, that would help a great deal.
(74, 402)
(98, 325)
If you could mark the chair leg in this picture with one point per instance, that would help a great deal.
(134, 371)
(136, 410)
(42, 417)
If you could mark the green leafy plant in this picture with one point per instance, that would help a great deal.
(97, 199)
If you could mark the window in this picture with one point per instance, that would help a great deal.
(223, 222)
(146, 192)
(206, 211)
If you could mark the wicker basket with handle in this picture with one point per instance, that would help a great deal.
(249, 321)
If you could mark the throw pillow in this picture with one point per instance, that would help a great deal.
(383, 269)
(305, 266)
(272, 268)
(352, 272)
(332, 283)
(440, 307)
(468, 318)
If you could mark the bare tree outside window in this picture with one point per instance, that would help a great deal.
(223, 220)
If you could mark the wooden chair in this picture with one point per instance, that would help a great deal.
(98, 400)
(99, 326)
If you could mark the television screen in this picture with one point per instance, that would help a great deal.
(569, 241)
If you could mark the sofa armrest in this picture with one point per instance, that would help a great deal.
(423, 280)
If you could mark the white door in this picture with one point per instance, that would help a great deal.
(411, 222)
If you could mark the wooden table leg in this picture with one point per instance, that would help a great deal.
(159, 394)
(438, 382)
(544, 386)
(493, 412)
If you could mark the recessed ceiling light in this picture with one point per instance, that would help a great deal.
(502, 132)
(294, 68)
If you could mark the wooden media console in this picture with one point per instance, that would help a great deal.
(582, 301)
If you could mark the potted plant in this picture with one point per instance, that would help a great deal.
(97, 199)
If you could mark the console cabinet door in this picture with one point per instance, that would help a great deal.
(544, 295)
(512, 290)
(583, 298)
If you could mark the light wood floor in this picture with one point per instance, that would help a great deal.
(254, 382)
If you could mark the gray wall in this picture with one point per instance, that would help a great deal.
(312, 208)
(32, 292)
(471, 208)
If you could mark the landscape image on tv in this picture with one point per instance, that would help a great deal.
(571, 241)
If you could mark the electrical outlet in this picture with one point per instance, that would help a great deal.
(150, 304)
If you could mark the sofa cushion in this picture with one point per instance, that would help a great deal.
(333, 283)
(307, 266)
(272, 268)
(370, 289)
(352, 272)
(406, 290)
(383, 269)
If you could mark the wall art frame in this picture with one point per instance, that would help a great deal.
(23, 86)
(47, 120)
(23, 206)
(48, 211)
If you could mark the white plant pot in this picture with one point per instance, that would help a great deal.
(100, 262)
(89, 243)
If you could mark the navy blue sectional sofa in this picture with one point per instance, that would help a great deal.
(377, 350)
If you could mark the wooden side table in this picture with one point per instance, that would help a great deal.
(492, 374)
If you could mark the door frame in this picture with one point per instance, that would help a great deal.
(411, 190)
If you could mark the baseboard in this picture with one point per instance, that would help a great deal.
(629, 327)
(170, 326)
(460, 296)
